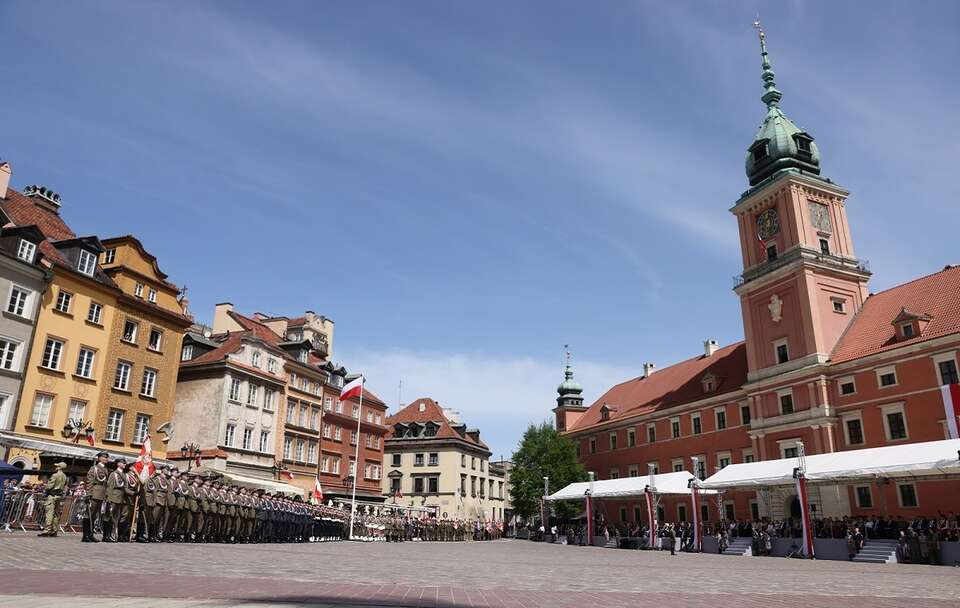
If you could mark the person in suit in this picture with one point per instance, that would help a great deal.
(115, 496)
(54, 490)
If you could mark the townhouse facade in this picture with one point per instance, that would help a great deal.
(436, 462)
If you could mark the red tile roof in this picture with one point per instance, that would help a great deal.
(871, 330)
(227, 347)
(23, 211)
(671, 386)
(432, 412)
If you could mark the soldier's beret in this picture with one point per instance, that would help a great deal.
(60, 465)
(102, 453)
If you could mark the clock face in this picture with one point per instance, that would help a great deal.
(768, 224)
(819, 216)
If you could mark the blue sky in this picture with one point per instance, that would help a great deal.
(466, 187)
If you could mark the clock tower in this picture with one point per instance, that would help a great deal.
(801, 281)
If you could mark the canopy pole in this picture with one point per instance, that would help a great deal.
(650, 490)
(695, 500)
(590, 512)
(800, 474)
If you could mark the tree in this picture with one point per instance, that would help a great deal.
(543, 452)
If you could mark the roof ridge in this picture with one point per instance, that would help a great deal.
(945, 269)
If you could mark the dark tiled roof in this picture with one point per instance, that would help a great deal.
(432, 412)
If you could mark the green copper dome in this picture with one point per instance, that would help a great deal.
(780, 144)
(569, 386)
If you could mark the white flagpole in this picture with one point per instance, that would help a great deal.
(356, 461)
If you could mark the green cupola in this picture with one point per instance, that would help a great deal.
(569, 391)
(780, 144)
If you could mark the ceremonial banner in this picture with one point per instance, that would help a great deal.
(951, 407)
(697, 536)
(652, 518)
(589, 520)
(144, 465)
(805, 516)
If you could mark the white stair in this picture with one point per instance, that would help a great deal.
(739, 546)
(877, 552)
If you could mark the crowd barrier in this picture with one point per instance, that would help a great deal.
(27, 510)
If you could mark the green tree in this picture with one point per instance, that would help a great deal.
(543, 452)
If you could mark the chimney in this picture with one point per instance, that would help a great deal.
(221, 321)
(44, 196)
(648, 368)
(5, 172)
(710, 347)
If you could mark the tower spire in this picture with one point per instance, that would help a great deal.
(771, 94)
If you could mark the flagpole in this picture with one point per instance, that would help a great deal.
(356, 462)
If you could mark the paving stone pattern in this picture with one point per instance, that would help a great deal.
(515, 574)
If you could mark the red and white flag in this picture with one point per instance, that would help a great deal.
(652, 518)
(354, 388)
(951, 407)
(286, 474)
(317, 490)
(144, 465)
(91, 437)
(807, 527)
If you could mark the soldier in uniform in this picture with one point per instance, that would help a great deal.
(208, 505)
(148, 504)
(54, 490)
(191, 506)
(173, 512)
(96, 484)
(116, 484)
(203, 507)
(131, 507)
(184, 518)
(161, 512)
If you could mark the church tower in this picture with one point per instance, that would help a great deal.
(569, 400)
(801, 281)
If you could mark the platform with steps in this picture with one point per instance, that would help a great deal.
(878, 551)
(739, 546)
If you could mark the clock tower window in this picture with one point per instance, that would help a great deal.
(771, 252)
(824, 246)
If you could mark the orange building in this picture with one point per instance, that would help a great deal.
(823, 361)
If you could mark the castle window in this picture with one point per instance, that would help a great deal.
(824, 246)
(839, 305)
(781, 351)
(786, 401)
(760, 151)
(907, 330)
(771, 252)
(948, 372)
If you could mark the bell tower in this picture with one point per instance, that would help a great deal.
(801, 281)
(569, 399)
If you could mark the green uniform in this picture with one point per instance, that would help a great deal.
(54, 488)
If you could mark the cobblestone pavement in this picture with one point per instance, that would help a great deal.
(515, 574)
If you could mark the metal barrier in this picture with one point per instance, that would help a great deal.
(25, 510)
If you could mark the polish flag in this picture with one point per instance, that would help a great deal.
(354, 388)
(288, 475)
(144, 465)
(91, 437)
(317, 490)
(951, 407)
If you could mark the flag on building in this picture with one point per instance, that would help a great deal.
(144, 465)
(287, 474)
(317, 490)
(352, 389)
(91, 437)
(951, 408)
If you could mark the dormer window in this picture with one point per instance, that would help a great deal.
(709, 383)
(27, 251)
(759, 151)
(303, 356)
(907, 330)
(109, 256)
(87, 263)
(803, 142)
(909, 325)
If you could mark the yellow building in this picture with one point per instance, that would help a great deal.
(68, 389)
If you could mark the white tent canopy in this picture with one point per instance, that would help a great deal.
(931, 459)
(667, 483)
(256, 483)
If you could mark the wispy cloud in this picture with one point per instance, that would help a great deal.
(499, 395)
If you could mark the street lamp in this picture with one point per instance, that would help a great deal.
(190, 452)
(75, 428)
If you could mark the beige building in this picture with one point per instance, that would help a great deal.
(433, 460)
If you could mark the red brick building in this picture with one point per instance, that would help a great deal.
(823, 361)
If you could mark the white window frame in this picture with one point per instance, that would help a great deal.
(894, 408)
(613, 442)
(916, 495)
(138, 290)
(776, 345)
(679, 433)
(118, 429)
(716, 418)
(614, 473)
(85, 366)
(846, 380)
(253, 392)
(140, 431)
(721, 456)
(656, 468)
(121, 381)
(46, 363)
(653, 426)
(857, 415)
(633, 470)
(264, 441)
(229, 435)
(27, 251)
(86, 263)
(882, 371)
(233, 390)
(834, 300)
(781, 393)
(255, 359)
(272, 365)
(246, 440)
(187, 353)
(943, 358)
(269, 399)
(109, 256)
(148, 383)
(337, 433)
(693, 426)
(63, 297)
(10, 353)
(159, 346)
(95, 313)
(786, 444)
(136, 331)
(23, 307)
(748, 456)
(40, 411)
(152, 295)
(856, 496)
(677, 465)
(287, 447)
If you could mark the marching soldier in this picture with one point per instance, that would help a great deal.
(161, 512)
(173, 512)
(96, 484)
(184, 517)
(115, 495)
(199, 495)
(191, 507)
(54, 489)
(148, 504)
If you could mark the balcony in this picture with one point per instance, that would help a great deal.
(806, 254)
(822, 414)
